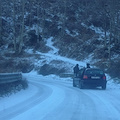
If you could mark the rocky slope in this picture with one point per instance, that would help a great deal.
(80, 30)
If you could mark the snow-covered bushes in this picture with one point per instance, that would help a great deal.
(7, 89)
(16, 65)
(111, 68)
(47, 69)
(25, 66)
(114, 69)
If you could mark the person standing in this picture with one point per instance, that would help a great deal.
(76, 70)
(88, 65)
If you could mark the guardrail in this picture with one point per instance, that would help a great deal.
(65, 75)
(10, 77)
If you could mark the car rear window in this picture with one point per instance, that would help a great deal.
(94, 71)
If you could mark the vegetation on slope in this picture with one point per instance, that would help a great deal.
(80, 28)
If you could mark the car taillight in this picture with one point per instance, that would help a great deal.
(104, 77)
(85, 77)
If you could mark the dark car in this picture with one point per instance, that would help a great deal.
(91, 77)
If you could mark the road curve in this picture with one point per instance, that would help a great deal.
(23, 106)
(86, 104)
(58, 100)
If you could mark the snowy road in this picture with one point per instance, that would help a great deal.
(58, 100)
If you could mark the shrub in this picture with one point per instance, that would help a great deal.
(24, 66)
(47, 69)
(114, 69)
(7, 89)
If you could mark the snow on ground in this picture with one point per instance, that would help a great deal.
(50, 44)
(6, 102)
(97, 30)
(55, 96)
(48, 97)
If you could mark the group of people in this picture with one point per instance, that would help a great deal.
(76, 68)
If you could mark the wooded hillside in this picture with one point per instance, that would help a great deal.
(80, 28)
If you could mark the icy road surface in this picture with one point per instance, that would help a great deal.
(50, 98)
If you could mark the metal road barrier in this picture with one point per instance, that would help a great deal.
(65, 75)
(10, 77)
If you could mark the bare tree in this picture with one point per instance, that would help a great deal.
(114, 18)
(38, 22)
(0, 20)
(18, 36)
(14, 36)
(63, 17)
(30, 11)
(22, 27)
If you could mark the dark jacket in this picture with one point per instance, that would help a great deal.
(88, 65)
(76, 69)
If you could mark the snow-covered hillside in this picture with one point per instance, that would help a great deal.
(54, 98)
(80, 29)
(44, 40)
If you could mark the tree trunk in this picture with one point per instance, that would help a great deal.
(0, 21)
(14, 36)
(63, 20)
(43, 19)
(105, 39)
(110, 38)
(30, 15)
(38, 24)
(117, 29)
(22, 28)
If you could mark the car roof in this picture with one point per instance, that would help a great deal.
(91, 69)
(94, 69)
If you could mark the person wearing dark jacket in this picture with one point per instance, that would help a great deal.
(88, 65)
(76, 70)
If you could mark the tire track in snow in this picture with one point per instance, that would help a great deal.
(13, 111)
(105, 109)
(46, 106)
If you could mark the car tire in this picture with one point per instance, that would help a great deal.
(80, 85)
(104, 86)
(74, 84)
